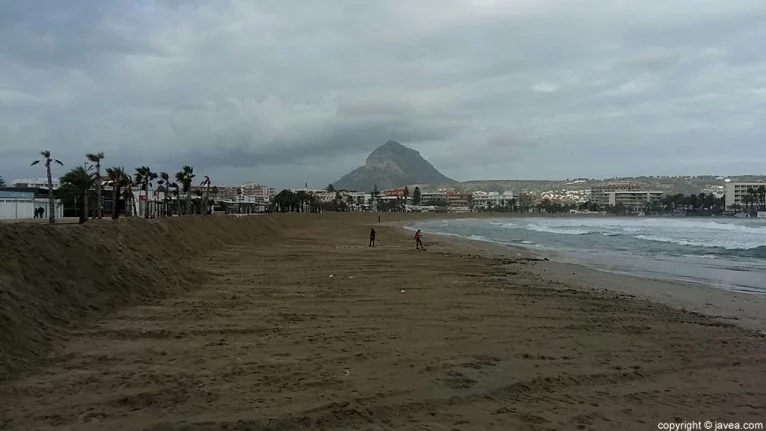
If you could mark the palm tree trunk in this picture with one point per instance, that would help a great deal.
(205, 201)
(115, 194)
(146, 199)
(84, 216)
(51, 203)
(99, 202)
(188, 203)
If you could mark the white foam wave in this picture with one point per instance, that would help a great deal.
(711, 243)
(557, 229)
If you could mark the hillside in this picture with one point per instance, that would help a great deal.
(392, 165)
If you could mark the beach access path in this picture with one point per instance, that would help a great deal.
(319, 331)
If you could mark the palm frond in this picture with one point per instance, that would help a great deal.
(35, 162)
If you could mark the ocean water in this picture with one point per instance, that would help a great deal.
(723, 252)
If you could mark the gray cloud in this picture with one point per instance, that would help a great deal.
(262, 90)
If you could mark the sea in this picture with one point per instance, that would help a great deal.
(727, 253)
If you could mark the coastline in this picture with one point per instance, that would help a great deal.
(742, 309)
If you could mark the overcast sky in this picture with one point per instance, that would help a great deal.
(291, 91)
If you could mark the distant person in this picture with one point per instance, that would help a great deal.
(372, 237)
(418, 242)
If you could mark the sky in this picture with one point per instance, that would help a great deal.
(287, 92)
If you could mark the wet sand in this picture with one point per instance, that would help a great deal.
(318, 331)
(747, 310)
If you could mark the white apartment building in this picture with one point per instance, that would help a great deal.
(488, 200)
(735, 192)
(36, 182)
(359, 198)
(627, 194)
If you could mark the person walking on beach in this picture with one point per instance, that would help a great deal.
(418, 242)
(372, 237)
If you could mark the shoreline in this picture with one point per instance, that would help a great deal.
(742, 309)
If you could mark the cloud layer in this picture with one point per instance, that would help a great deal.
(287, 91)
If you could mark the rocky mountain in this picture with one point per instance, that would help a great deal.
(392, 165)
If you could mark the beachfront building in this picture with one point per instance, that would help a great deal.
(36, 182)
(628, 195)
(435, 199)
(736, 194)
(458, 202)
(489, 200)
(265, 193)
(397, 193)
(358, 201)
(20, 203)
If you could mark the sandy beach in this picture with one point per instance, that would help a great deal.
(303, 326)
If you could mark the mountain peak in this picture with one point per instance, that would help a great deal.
(392, 165)
(392, 144)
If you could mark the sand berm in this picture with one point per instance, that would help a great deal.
(293, 322)
(52, 277)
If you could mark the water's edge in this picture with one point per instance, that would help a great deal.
(744, 275)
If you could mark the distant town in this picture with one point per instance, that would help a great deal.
(28, 198)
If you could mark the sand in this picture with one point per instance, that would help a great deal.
(304, 326)
(742, 309)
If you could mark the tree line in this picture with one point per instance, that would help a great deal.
(83, 185)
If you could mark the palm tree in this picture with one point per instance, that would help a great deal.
(116, 176)
(177, 194)
(761, 191)
(130, 199)
(96, 158)
(165, 183)
(752, 196)
(46, 157)
(2, 182)
(185, 177)
(205, 183)
(79, 182)
(144, 177)
(375, 196)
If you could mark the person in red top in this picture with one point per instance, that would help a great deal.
(418, 242)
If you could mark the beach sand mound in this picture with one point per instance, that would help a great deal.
(52, 277)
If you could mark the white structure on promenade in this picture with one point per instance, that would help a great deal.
(21, 204)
